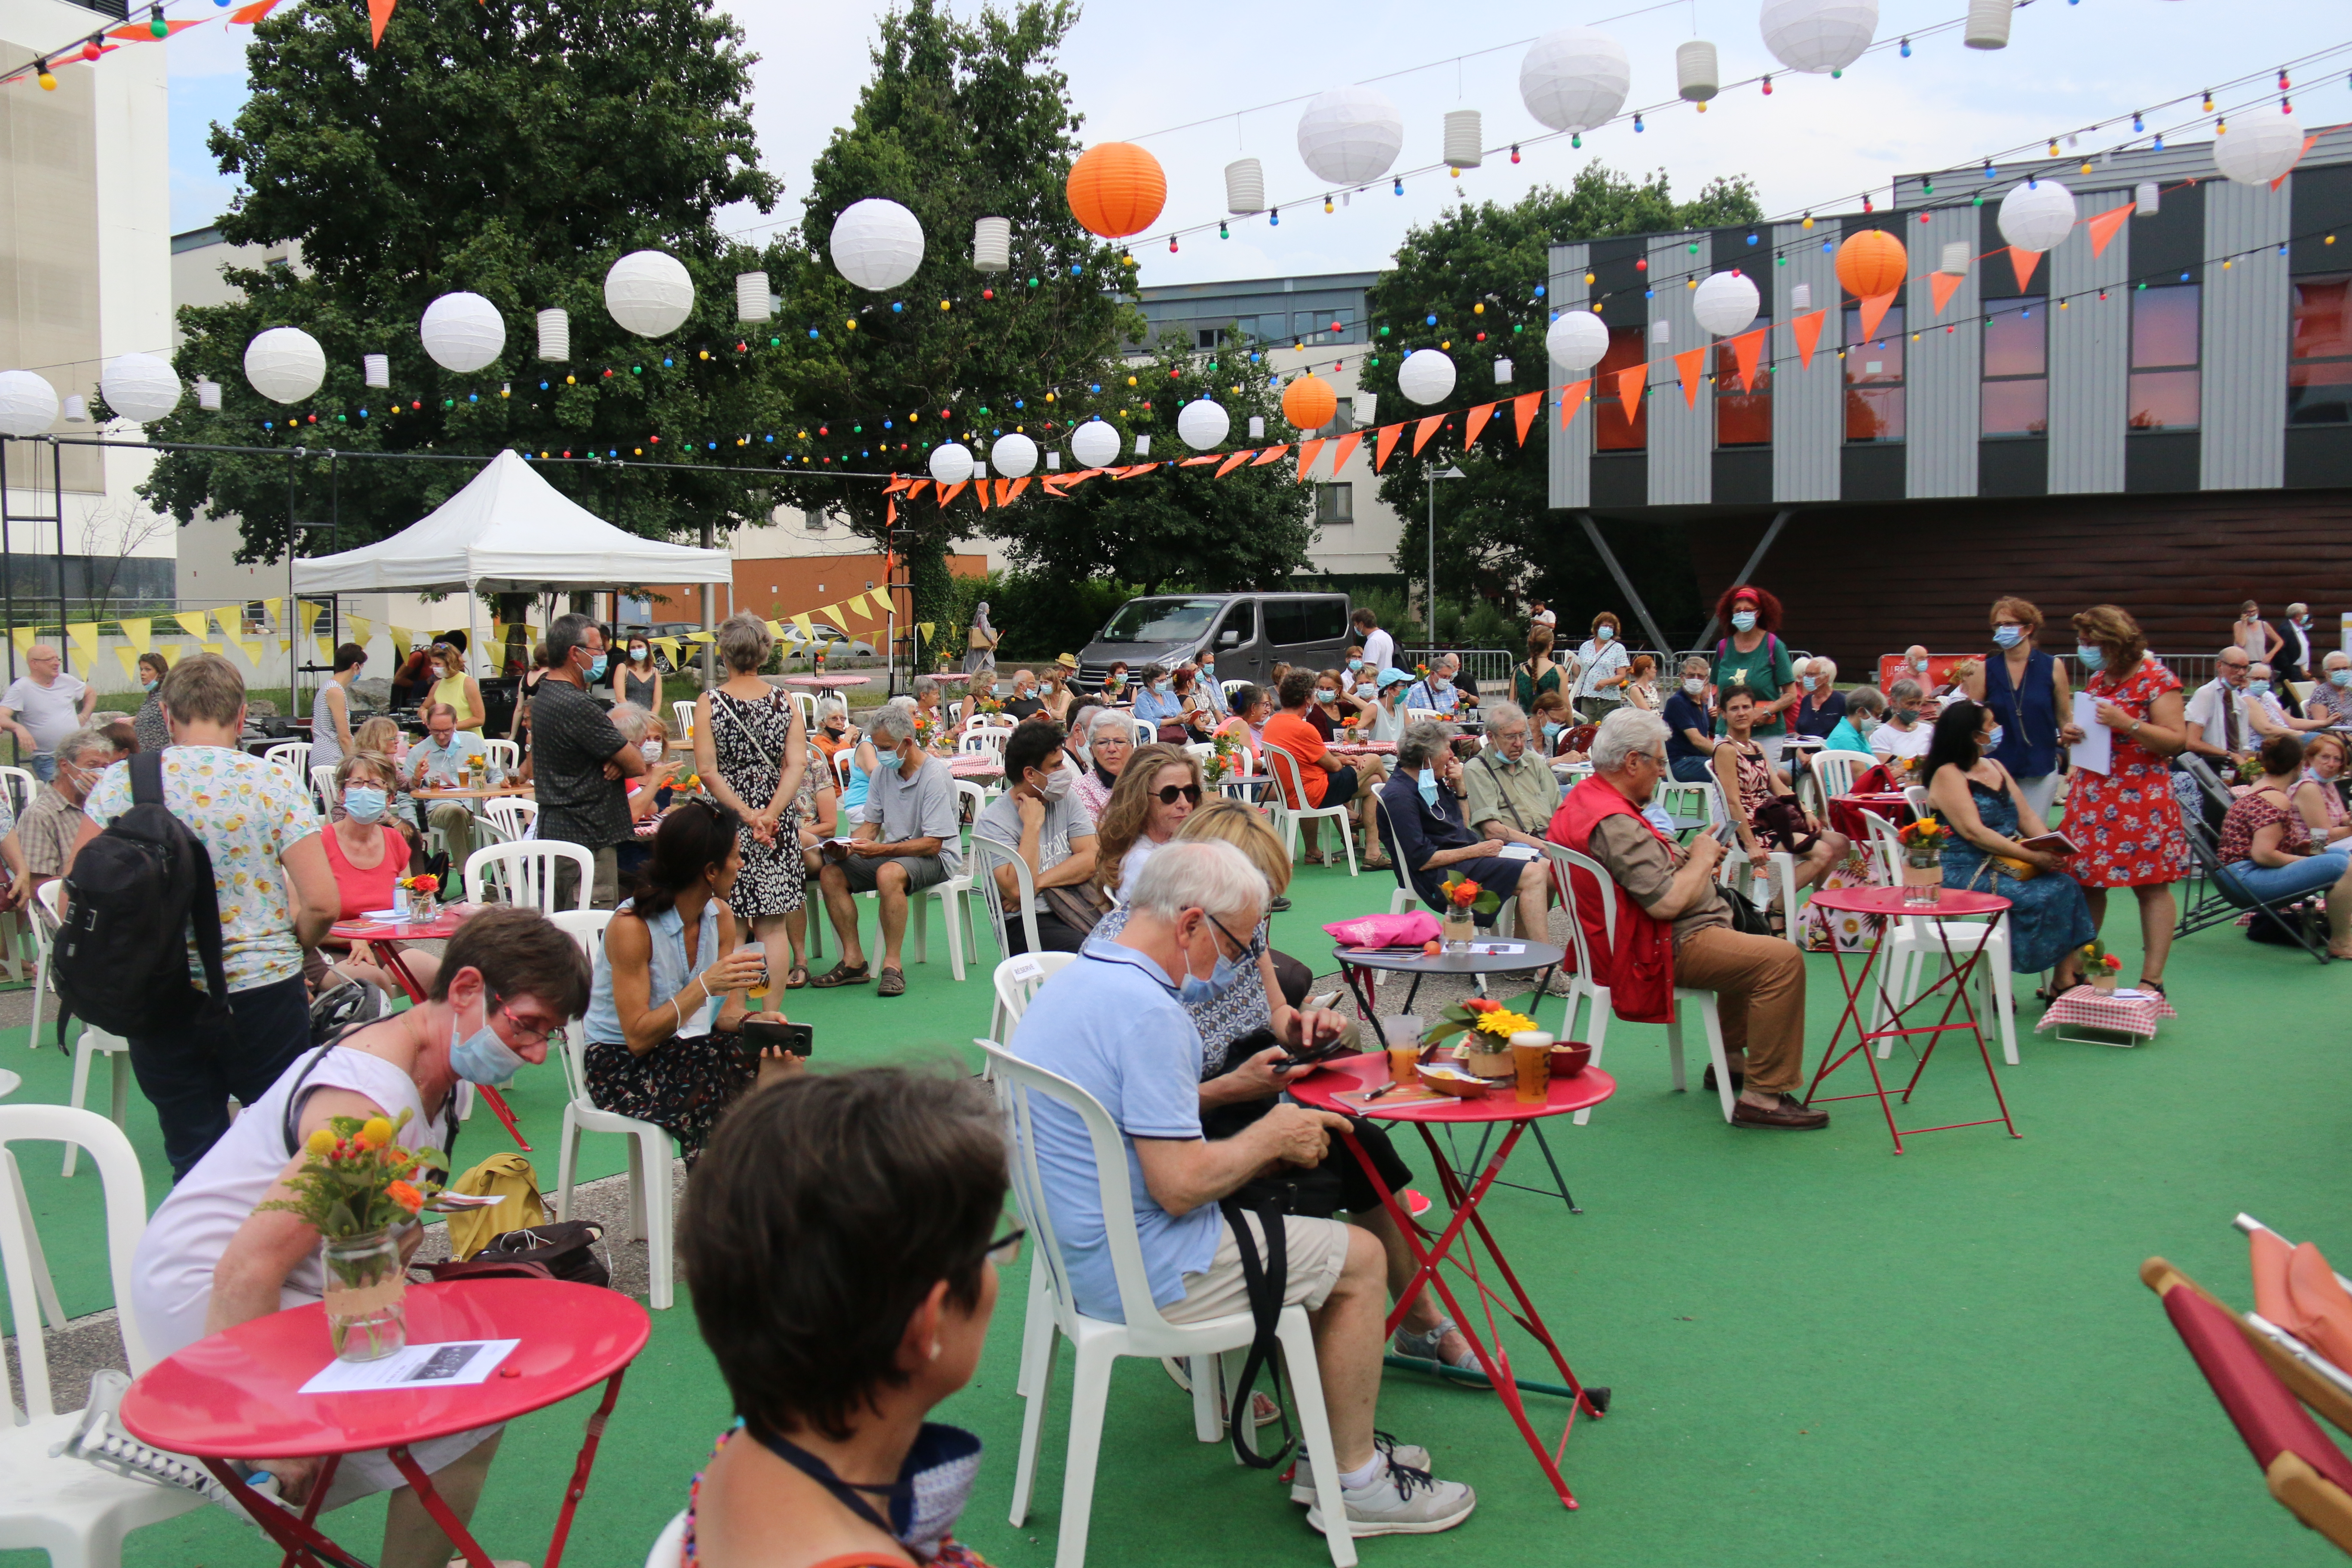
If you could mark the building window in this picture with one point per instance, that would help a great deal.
(1742, 419)
(2015, 397)
(1204, 337)
(1874, 379)
(1628, 346)
(2319, 366)
(1332, 326)
(2164, 358)
(1334, 504)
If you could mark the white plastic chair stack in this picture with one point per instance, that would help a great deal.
(1286, 817)
(511, 814)
(1145, 1333)
(524, 873)
(92, 1041)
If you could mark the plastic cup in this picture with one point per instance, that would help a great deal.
(1402, 1062)
(758, 990)
(1531, 1062)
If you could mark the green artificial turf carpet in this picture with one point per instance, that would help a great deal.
(1820, 1353)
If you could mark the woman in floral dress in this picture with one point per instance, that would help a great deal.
(2125, 822)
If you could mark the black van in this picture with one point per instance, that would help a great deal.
(1249, 633)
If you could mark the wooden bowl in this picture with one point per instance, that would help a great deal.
(1570, 1057)
(1453, 1081)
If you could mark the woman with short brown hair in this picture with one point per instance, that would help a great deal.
(2125, 822)
(2030, 700)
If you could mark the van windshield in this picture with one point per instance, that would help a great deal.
(1161, 620)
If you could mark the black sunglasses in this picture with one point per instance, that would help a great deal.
(1191, 793)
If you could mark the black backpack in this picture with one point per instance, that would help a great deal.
(121, 959)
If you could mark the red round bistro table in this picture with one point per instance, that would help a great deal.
(1886, 906)
(237, 1394)
(1340, 1087)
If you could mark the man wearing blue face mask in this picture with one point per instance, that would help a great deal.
(210, 1260)
(579, 759)
(1115, 1023)
(1431, 838)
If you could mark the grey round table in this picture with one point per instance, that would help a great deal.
(1355, 961)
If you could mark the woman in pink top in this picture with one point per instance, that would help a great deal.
(368, 857)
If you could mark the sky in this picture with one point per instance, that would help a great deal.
(1815, 142)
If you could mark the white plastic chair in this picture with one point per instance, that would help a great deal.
(294, 756)
(1405, 900)
(1286, 817)
(504, 755)
(1229, 687)
(1145, 1333)
(1416, 715)
(1738, 875)
(980, 862)
(322, 786)
(1915, 939)
(512, 815)
(806, 702)
(524, 873)
(669, 1546)
(1567, 863)
(93, 1041)
(682, 719)
(1017, 979)
(1836, 772)
(647, 1213)
(843, 761)
(22, 786)
(1145, 732)
(70, 1509)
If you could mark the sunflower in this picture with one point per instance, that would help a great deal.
(1502, 1021)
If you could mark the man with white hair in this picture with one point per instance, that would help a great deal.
(2293, 658)
(1510, 788)
(1430, 839)
(1113, 1024)
(1437, 691)
(44, 706)
(1674, 927)
(907, 839)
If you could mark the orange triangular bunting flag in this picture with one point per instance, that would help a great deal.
(141, 33)
(2309, 143)
(1344, 450)
(1874, 311)
(1425, 429)
(1235, 461)
(1571, 398)
(980, 494)
(1688, 365)
(948, 492)
(1942, 286)
(2103, 227)
(1196, 462)
(1307, 452)
(1384, 444)
(1014, 493)
(1746, 349)
(1807, 330)
(1477, 422)
(898, 482)
(379, 13)
(1053, 485)
(1269, 456)
(1524, 409)
(2024, 262)
(918, 488)
(1003, 491)
(1629, 382)
(248, 15)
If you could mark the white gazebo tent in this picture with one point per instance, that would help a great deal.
(508, 532)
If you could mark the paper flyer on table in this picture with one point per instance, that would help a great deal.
(2096, 749)
(415, 1366)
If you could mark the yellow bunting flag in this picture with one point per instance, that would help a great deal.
(698, 638)
(326, 650)
(668, 646)
(129, 660)
(136, 630)
(925, 628)
(270, 609)
(802, 621)
(283, 644)
(361, 628)
(85, 636)
(253, 650)
(192, 623)
(25, 637)
(830, 615)
(855, 604)
(402, 640)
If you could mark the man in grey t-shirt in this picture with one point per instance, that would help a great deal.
(44, 706)
(1047, 827)
(906, 839)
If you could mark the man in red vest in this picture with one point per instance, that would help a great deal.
(1674, 927)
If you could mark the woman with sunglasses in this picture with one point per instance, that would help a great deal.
(1157, 790)
(668, 1002)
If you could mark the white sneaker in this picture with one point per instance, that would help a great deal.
(1302, 1479)
(1403, 1502)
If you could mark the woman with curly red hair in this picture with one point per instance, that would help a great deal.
(1754, 660)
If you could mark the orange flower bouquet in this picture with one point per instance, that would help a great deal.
(355, 1187)
(1464, 899)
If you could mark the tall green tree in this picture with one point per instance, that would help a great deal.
(514, 148)
(1476, 269)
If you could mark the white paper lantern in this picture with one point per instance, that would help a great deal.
(751, 297)
(285, 365)
(140, 386)
(375, 370)
(1366, 412)
(2037, 215)
(1257, 427)
(1819, 35)
(876, 244)
(1466, 139)
(1988, 24)
(649, 292)
(1576, 341)
(208, 395)
(1724, 303)
(462, 331)
(1575, 78)
(76, 408)
(1696, 76)
(1350, 135)
(992, 245)
(28, 403)
(554, 335)
(1425, 377)
(1956, 258)
(2145, 200)
(1204, 423)
(1015, 456)
(2258, 148)
(1094, 445)
(1801, 298)
(1503, 369)
(1143, 446)
(1245, 187)
(951, 462)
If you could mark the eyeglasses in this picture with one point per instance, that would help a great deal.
(1191, 793)
(1005, 1250)
(525, 1033)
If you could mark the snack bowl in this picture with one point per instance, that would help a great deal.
(1570, 1057)
(1455, 1081)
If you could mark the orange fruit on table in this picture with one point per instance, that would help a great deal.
(1432, 948)
(1116, 189)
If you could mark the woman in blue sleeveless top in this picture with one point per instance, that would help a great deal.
(2027, 691)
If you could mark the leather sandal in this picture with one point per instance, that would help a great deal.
(842, 973)
(796, 977)
(891, 983)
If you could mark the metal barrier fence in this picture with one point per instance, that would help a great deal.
(2192, 670)
(1484, 664)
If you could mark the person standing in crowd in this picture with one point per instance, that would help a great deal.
(2295, 659)
(330, 710)
(1864, 709)
(1541, 614)
(1914, 665)
(2125, 822)
(638, 678)
(1431, 837)
(2269, 851)
(148, 724)
(45, 834)
(1990, 814)
(213, 1257)
(276, 895)
(979, 645)
(2030, 700)
(1536, 674)
(2254, 635)
(1903, 740)
(909, 840)
(1380, 648)
(1690, 726)
(751, 750)
(1159, 789)
(1601, 668)
(1038, 820)
(43, 706)
(1755, 659)
(1110, 736)
(412, 683)
(580, 761)
(453, 685)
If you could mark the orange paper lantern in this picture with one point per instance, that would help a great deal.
(1309, 403)
(1116, 189)
(1872, 262)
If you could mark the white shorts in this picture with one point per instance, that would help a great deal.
(1317, 1249)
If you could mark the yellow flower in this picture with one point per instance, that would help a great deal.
(1504, 1023)
(320, 1142)
(375, 1132)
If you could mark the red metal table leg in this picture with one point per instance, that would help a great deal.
(303, 1543)
(1863, 1038)
(497, 1102)
(572, 1494)
(422, 1484)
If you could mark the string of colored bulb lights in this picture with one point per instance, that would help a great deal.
(93, 47)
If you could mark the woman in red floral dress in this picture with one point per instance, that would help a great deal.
(2126, 823)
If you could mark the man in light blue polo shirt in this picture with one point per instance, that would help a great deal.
(1112, 1024)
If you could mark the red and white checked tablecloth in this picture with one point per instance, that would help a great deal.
(2085, 1006)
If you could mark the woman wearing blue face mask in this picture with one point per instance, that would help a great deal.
(2028, 691)
(2125, 821)
(460, 690)
(1431, 838)
(1753, 659)
(147, 723)
(1158, 705)
(210, 1258)
(368, 855)
(2331, 694)
(1975, 796)
(1603, 665)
